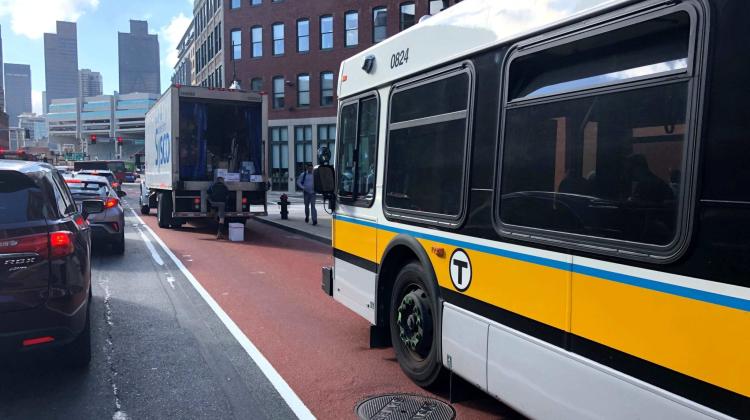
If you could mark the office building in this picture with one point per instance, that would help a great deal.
(292, 50)
(36, 124)
(90, 83)
(138, 54)
(201, 50)
(61, 62)
(72, 122)
(2, 68)
(17, 90)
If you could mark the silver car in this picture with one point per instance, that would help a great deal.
(108, 226)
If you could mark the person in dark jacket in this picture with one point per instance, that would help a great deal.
(218, 193)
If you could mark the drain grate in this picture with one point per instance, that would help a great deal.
(404, 407)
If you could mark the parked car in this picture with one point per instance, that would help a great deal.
(64, 170)
(45, 263)
(116, 184)
(107, 227)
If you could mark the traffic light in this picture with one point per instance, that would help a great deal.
(93, 139)
(119, 141)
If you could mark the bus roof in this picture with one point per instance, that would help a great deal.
(459, 31)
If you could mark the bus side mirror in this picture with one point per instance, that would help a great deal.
(325, 180)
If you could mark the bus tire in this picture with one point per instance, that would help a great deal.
(415, 332)
(164, 210)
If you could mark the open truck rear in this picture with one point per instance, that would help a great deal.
(195, 134)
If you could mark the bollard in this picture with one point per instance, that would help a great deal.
(284, 203)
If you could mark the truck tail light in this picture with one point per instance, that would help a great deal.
(61, 244)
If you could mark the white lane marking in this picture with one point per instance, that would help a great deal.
(150, 246)
(170, 280)
(285, 391)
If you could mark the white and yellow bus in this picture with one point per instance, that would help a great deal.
(551, 199)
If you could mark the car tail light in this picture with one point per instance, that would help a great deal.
(115, 184)
(61, 244)
(73, 181)
(38, 340)
(111, 202)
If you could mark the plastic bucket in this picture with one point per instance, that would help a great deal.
(236, 232)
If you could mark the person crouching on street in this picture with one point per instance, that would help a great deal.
(218, 193)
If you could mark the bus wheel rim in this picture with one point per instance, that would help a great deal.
(414, 321)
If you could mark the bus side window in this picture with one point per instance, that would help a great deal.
(603, 164)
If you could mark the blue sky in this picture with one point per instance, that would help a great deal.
(24, 22)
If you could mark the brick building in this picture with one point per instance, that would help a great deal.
(292, 50)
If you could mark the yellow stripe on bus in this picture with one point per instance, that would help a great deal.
(703, 340)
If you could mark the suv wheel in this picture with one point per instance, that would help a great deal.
(119, 246)
(77, 354)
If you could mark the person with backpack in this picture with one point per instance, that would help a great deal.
(306, 182)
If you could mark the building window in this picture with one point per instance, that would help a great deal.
(256, 36)
(303, 35)
(426, 120)
(236, 44)
(256, 84)
(326, 32)
(379, 24)
(327, 138)
(352, 28)
(279, 158)
(302, 149)
(303, 90)
(278, 39)
(436, 6)
(326, 88)
(407, 15)
(235, 5)
(278, 92)
(256, 2)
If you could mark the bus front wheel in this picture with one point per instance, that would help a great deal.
(414, 326)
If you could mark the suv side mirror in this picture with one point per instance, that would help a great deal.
(89, 207)
(325, 180)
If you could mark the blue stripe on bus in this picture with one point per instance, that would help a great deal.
(686, 292)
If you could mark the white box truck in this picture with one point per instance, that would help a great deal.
(195, 134)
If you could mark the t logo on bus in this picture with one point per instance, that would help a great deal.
(460, 270)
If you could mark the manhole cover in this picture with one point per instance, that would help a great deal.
(404, 407)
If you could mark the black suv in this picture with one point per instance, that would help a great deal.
(45, 263)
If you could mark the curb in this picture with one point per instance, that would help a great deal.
(322, 239)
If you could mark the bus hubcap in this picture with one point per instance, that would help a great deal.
(415, 322)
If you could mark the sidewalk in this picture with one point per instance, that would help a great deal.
(296, 222)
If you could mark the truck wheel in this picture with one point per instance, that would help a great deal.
(164, 211)
(414, 326)
(145, 210)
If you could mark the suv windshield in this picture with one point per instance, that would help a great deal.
(21, 200)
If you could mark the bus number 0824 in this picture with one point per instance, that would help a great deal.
(400, 58)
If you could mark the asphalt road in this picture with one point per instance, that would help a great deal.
(188, 327)
(159, 352)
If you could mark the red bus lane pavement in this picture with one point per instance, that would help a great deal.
(269, 285)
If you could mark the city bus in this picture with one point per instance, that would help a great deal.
(550, 200)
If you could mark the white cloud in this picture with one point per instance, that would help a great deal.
(170, 36)
(32, 18)
(36, 102)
